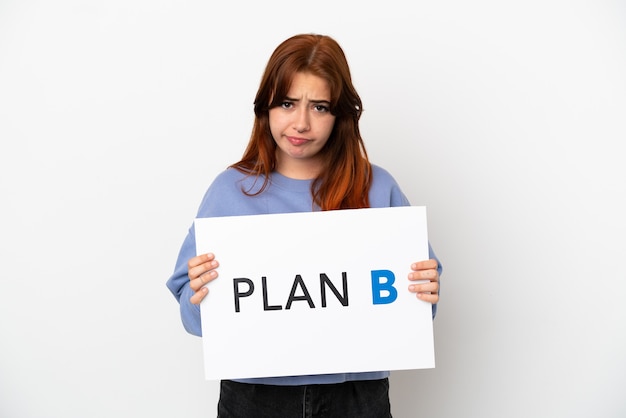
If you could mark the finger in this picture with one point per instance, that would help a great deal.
(425, 265)
(428, 292)
(200, 259)
(201, 269)
(429, 297)
(425, 287)
(203, 279)
(199, 296)
(430, 275)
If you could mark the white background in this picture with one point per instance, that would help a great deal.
(507, 120)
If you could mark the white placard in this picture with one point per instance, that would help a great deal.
(315, 293)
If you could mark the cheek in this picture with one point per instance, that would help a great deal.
(328, 128)
(275, 125)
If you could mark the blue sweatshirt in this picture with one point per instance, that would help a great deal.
(224, 197)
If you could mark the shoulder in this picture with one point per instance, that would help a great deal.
(379, 174)
(229, 175)
(225, 196)
(232, 179)
(225, 182)
(385, 190)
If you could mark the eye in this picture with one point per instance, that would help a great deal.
(321, 108)
(286, 104)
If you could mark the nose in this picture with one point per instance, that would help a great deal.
(301, 123)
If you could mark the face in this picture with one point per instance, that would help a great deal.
(301, 126)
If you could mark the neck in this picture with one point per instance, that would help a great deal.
(299, 169)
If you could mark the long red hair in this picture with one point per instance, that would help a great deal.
(346, 176)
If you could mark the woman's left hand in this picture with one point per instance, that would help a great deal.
(427, 291)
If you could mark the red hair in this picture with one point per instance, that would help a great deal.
(346, 175)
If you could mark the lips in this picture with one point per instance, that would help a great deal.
(297, 141)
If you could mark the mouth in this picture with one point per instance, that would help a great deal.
(293, 140)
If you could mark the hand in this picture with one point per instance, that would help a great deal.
(427, 291)
(201, 270)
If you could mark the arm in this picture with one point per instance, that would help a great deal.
(187, 282)
(182, 283)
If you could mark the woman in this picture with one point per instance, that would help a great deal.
(305, 154)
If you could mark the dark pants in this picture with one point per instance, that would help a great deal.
(362, 399)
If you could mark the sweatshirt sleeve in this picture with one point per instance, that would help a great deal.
(178, 284)
(220, 199)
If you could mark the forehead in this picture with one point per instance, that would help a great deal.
(309, 85)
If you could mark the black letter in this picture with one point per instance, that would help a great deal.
(292, 296)
(267, 307)
(238, 293)
(325, 280)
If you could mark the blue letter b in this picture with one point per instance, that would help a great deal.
(379, 287)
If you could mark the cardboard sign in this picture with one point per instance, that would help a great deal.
(315, 293)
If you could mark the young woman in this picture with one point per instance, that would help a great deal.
(305, 154)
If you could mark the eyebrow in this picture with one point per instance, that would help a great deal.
(312, 101)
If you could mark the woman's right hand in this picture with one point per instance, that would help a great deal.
(201, 270)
